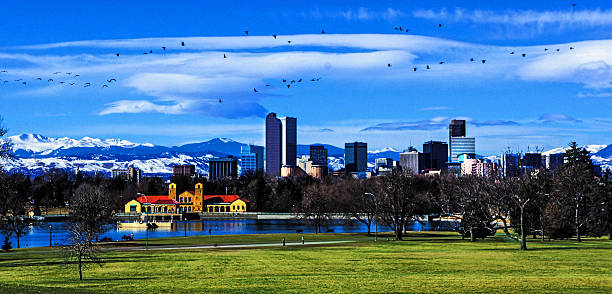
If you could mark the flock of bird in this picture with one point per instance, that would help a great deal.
(70, 79)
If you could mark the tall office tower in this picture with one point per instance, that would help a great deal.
(252, 159)
(462, 145)
(289, 141)
(356, 157)
(412, 161)
(318, 155)
(509, 165)
(436, 154)
(273, 145)
(455, 129)
(223, 168)
(187, 170)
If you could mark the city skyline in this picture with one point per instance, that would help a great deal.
(365, 90)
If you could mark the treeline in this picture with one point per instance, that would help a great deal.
(569, 202)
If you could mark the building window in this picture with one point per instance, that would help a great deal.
(132, 208)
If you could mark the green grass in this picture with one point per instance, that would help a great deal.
(424, 263)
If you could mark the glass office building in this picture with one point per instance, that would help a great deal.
(461, 145)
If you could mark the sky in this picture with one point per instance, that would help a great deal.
(365, 84)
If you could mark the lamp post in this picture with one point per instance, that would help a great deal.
(375, 215)
(50, 235)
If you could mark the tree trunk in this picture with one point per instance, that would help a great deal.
(369, 224)
(577, 225)
(472, 238)
(542, 227)
(18, 245)
(523, 233)
(80, 268)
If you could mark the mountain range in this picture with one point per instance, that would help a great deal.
(33, 151)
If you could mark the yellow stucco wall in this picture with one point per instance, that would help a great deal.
(129, 204)
(236, 206)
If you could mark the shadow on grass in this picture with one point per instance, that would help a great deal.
(547, 248)
(105, 260)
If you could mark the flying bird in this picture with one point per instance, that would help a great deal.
(558, 49)
(40, 79)
(414, 68)
(62, 82)
(288, 86)
(293, 81)
(524, 54)
(300, 80)
(104, 86)
(164, 48)
(220, 100)
(483, 61)
(4, 71)
(267, 85)
(71, 84)
(545, 49)
(24, 83)
(18, 80)
(50, 80)
(224, 56)
(571, 48)
(427, 67)
(57, 72)
(246, 32)
(77, 76)
(117, 54)
(274, 36)
(471, 59)
(388, 64)
(284, 81)
(322, 31)
(111, 80)
(182, 43)
(312, 80)
(68, 73)
(289, 42)
(254, 90)
(441, 62)
(439, 25)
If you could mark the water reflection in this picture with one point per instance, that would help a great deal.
(39, 235)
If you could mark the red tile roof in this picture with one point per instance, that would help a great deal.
(223, 198)
(156, 199)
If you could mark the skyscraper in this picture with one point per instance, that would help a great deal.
(456, 128)
(412, 161)
(318, 155)
(252, 158)
(289, 141)
(436, 154)
(223, 168)
(458, 143)
(356, 156)
(462, 145)
(273, 145)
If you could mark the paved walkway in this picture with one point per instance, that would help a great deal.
(221, 246)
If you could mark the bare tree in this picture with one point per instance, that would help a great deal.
(402, 197)
(359, 201)
(13, 209)
(316, 204)
(6, 147)
(91, 211)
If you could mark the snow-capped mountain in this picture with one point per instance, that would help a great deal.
(33, 151)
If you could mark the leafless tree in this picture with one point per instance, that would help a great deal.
(315, 204)
(91, 211)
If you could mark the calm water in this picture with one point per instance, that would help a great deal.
(39, 235)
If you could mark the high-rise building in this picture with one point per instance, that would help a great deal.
(383, 163)
(187, 170)
(251, 159)
(222, 168)
(356, 157)
(273, 145)
(412, 161)
(509, 165)
(461, 145)
(478, 167)
(552, 161)
(289, 141)
(456, 128)
(318, 155)
(436, 154)
(532, 160)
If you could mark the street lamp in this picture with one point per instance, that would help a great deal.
(375, 215)
(50, 235)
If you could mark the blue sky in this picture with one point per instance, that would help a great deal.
(545, 99)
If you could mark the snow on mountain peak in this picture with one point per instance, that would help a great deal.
(41, 144)
(388, 149)
(591, 148)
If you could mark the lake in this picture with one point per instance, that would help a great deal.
(39, 235)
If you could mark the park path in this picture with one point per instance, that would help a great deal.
(221, 246)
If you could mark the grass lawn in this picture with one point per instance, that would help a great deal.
(423, 262)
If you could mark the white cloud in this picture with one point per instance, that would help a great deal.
(139, 106)
(364, 14)
(589, 18)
